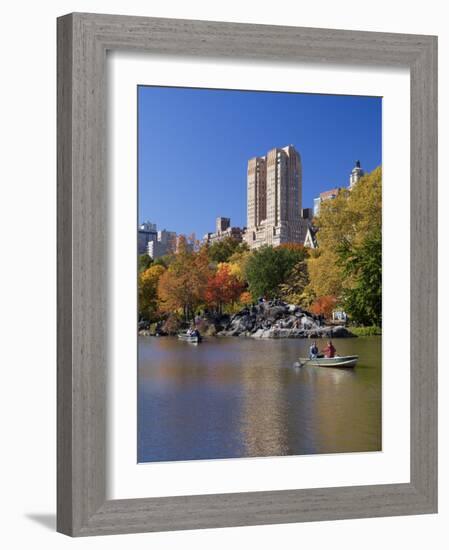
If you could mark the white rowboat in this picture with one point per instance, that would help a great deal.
(346, 361)
(188, 338)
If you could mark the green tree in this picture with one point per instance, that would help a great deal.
(221, 251)
(363, 263)
(164, 261)
(267, 268)
(144, 262)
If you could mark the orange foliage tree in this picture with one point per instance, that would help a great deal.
(182, 285)
(246, 298)
(222, 288)
(324, 306)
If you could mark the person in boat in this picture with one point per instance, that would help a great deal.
(313, 351)
(329, 350)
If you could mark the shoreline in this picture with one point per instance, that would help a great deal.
(338, 332)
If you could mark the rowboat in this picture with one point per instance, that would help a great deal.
(345, 361)
(189, 338)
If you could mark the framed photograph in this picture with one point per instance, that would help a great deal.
(247, 274)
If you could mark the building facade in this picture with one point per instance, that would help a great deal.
(325, 196)
(356, 173)
(165, 242)
(146, 233)
(223, 230)
(274, 199)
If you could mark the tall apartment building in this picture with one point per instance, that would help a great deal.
(274, 187)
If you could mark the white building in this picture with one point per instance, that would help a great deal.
(164, 243)
(356, 174)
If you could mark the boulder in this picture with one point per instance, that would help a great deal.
(276, 319)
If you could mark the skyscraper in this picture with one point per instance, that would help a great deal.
(274, 185)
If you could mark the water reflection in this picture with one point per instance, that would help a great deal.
(236, 397)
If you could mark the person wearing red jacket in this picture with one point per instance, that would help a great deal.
(329, 350)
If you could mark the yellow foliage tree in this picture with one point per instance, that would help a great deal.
(346, 220)
(147, 284)
(237, 263)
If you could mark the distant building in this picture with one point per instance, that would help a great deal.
(146, 232)
(221, 224)
(326, 195)
(307, 214)
(148, 226)
(316, 206)
(274, 187)
(164, 243)
(356, 174)
(223, 230)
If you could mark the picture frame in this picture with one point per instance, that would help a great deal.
(83, 40)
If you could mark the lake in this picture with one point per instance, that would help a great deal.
(239, 397)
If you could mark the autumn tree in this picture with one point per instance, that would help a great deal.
(292, 290)
(237, 262)
(164, 261)
(182, 285)
(245, 298)
(222, 250)
(222, 288)
(324, 305)
(147, 286)
(346, 227)
(352, 215)
(325, 274)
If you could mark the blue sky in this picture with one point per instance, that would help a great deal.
(194, 145)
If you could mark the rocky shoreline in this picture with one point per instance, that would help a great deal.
(276, 319)
(267, 319)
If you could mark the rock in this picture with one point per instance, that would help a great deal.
(275, 312)
(276, 319)
(329, 332)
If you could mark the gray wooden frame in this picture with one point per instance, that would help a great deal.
(83, 40)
